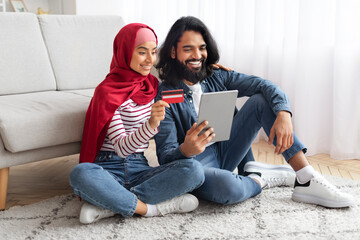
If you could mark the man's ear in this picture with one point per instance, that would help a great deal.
(173, 55)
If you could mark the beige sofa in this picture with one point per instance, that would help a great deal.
(49, 67)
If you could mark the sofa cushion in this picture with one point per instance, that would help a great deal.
(37, 120)
(24, 61)
(80, 48)
(83, 92)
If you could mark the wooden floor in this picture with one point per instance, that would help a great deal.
(34, 182)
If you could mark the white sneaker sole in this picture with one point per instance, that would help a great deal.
(252, 166)
(297, 197)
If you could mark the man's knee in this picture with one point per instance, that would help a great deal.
(258, 99)
(194, 171)
(261, 106)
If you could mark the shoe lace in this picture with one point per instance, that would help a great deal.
(322, 181)
(275, 182)
(168, 207)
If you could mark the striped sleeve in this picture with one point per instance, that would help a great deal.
(127, 143)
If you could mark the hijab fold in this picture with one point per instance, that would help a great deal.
(120, 84)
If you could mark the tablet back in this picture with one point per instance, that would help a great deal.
(218, 109)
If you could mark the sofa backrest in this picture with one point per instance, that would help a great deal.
(24, 61)
(80, 47)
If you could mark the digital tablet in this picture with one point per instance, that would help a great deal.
(218, 109)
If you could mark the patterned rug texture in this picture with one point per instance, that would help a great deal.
(270, 215)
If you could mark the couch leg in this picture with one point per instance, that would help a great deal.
(4, 176)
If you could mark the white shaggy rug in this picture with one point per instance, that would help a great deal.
(270, 215)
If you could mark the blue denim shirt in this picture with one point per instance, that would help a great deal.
(181, 116)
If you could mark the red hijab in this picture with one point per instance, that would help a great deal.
(120, 84)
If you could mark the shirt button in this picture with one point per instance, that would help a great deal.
(190, 91)
(190, 101)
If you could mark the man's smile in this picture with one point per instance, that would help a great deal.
(195, 63)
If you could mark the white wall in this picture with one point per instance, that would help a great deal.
(8, 7)
(96, 7)
(69, 7)
(31, 5)
(54, 6)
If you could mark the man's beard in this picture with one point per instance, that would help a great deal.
(183, 72)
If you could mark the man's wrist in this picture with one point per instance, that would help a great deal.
(284, 113)
(184, 152)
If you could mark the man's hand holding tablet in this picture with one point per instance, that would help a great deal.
(216, 113)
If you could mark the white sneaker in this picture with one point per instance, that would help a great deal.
(90, 213)
(319, 191)
(182, 204)
(273, 175)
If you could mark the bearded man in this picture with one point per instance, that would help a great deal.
(186, 62)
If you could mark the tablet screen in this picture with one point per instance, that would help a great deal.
(218, 109)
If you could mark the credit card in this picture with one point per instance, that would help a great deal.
(173, 96)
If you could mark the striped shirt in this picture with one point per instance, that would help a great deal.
(129, 130)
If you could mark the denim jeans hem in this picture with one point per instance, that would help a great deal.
(85, 197)
(288, 154)
(132, 210)
(258, 189)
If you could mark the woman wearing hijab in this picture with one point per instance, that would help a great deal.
(113, 176)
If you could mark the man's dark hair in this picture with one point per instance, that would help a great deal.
(166, 65)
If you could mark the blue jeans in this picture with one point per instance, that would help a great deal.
(220, 159)
(116, 183)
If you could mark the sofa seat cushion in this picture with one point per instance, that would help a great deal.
(83, 92)
(37, 120)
